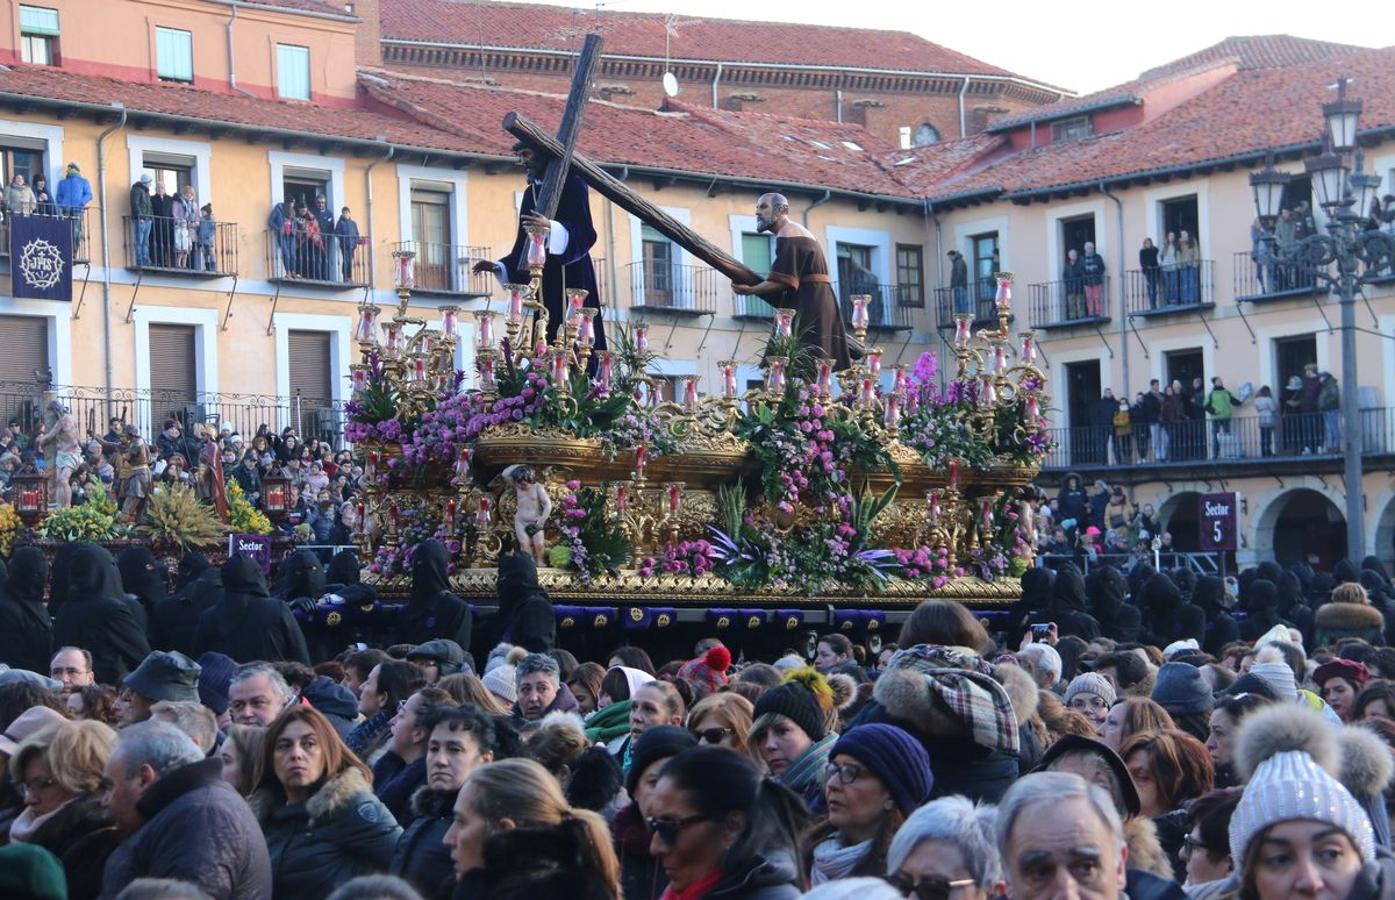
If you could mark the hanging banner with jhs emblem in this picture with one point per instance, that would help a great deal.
(41, 257)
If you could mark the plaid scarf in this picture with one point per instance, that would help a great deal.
(963, 681)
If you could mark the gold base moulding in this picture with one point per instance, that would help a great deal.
(667, 590)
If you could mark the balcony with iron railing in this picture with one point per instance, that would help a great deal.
(1159, 291)
(979, 298)
(1302, 439)
(1068, 303)
(81, 224)
(317, 260)
(171, 246)
(1258, 280)
(885, 312)
(449, 268)
(673, 289)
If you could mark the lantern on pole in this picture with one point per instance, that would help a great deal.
(276, 495)
(30, 495)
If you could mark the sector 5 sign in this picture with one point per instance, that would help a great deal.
(1220, 522)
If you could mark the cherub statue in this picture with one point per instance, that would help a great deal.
(534, 508)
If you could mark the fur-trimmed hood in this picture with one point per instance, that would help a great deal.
(1348, 616)
(336, 793)
(902, 693)
(430, 803)
(1145, 850)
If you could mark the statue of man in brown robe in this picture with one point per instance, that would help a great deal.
(799, 280)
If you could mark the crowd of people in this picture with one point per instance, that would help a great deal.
(1179, 422)
(1150, 735)
(124, 462)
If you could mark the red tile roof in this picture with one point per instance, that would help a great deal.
(746, 146)
(197, 105)
(1260, 51)
(532, 26)
(323, 7)
(1245, 115)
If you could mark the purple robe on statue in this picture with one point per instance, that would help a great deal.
(570, 269)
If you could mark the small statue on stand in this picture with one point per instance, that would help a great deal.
(534, 508)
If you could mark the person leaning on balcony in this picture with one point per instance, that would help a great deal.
(1167, 262)
(346, 229)
(19, 199)
(281, 222)
(142, 218)
(1073, 283)
(1093, 268)
(959, 281)
(1220, 406)
(1148, 262)
(1189, 260)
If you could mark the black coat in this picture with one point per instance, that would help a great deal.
(82, 836)
(1168, 617)
(525, 618)
(432, 611)
(175, 620)
(1067, 607)
(26, 631)
(640, 874)
(1107, 588)
(141, 577)
(420, 858)
(197, 829)
(97, 616)
(341, 832)
(247, 623)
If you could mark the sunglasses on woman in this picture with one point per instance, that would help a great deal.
(669, 830)
(714, 735)
(932, 888)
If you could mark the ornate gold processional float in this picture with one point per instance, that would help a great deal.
(861, 488)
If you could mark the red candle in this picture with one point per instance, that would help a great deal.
(450, 513)
(1033, 410)
(825, 379)
(641, 454)
(674, 493)
(515, 307)
(874, 364)
(537, 248)
(605, 371)
(690, 394)
(641, 338)
(622, 497)
(728, 368)
(482, 517)
(859, 312)
(953, 474)
(934, 501)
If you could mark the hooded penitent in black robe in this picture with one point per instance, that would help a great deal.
(26, 632)
(432, 611)
(1221, 629)
(571, 268)
(98, 616)
(176, 618)
(1106, 588)
(141, 577)
(1167, 617)
(525, 618)
(1067, 607)
(247, 623)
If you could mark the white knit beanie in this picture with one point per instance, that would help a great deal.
(1279, 678)
(1290, 786)
(1091, 683)
(501, 682)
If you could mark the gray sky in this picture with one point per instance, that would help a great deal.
(1080, 46)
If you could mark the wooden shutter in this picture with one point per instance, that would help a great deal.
(23, 348)
(308, 354)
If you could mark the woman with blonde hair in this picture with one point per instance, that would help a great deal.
(60, 771)
(723, 720)
(514, 830)
(465, 688)
(241, 753)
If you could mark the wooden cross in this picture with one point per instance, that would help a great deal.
(550, 194)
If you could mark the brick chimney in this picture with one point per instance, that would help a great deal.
(368, 41)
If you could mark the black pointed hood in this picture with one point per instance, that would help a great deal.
(191, 566)
(430, 572)
(1106, 588)
(27, 576)
(343, 568)
(1264, 596)
(1209, 594)
(1036, 588)
(1068, 590)
(300, 575)
(242, 578)
(92, 574)
(1344, 571)
(141, 575)
(1373, 564)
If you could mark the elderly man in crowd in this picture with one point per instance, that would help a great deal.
(179, 819)
(73, 667)
(1060, 836)
(257, 694)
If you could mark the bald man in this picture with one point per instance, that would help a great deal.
(799, 280)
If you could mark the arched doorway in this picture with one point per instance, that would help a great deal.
(1306, 527)
(1180, 515)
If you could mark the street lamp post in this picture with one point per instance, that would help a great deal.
(1343, 260)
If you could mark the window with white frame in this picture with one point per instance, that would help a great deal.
(292, 72)
(174, 54)
(38, 35)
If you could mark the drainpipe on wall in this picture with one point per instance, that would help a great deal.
(716, 77)
(963, 127)
(1123, 311)
(827, 196)
(368, 181)
(838, 105)
(232, 66)
(106, 245)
